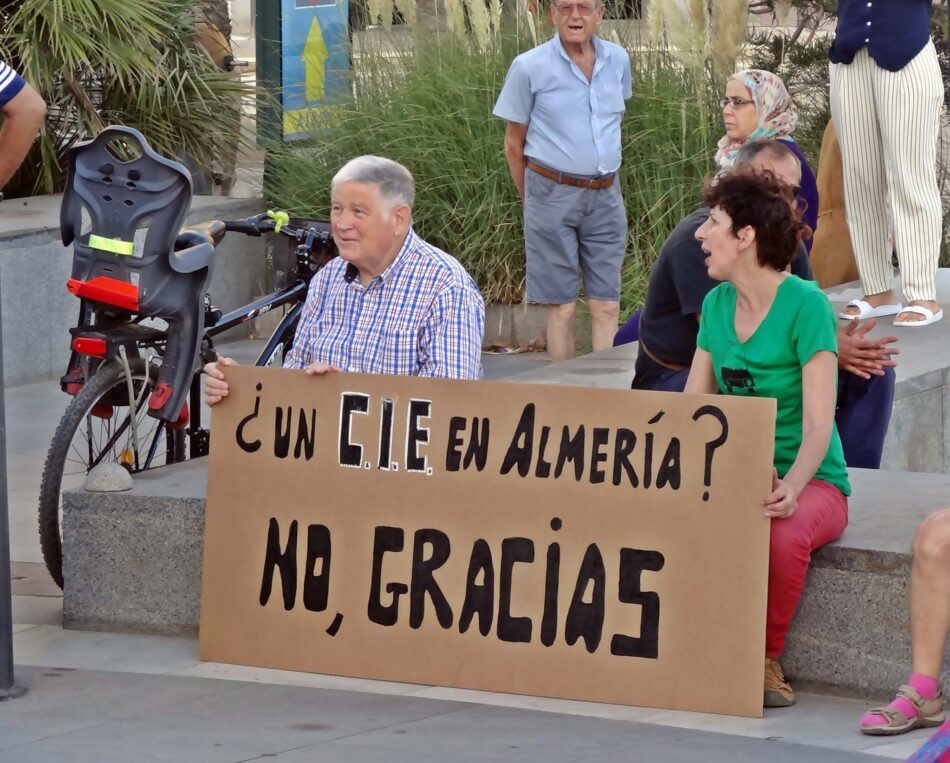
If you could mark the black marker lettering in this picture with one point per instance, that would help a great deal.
(479, 599)
(316, 585)
(350, 453)
(586, 620)
(632, 563)
(385, 539)
(243, 444)
(513, 629)
(285, 561)
(423, 581)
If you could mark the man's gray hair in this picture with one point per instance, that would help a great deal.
(395, 183)
(773, 148)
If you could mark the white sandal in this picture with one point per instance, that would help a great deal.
(929, 316)
(866, 311)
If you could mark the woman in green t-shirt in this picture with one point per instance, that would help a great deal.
(766, 333)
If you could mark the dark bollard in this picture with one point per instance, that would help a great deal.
(7, 688)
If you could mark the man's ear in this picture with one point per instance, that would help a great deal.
(402, 216)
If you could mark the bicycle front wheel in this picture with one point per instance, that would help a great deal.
(97, 428)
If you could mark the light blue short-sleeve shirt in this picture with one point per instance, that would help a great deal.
(573, 124)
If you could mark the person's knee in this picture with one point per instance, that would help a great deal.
(562, 313)
(787, 542)
(932, 543)
(604, 311)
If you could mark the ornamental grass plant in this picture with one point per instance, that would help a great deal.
(429, 107)
(131, 62)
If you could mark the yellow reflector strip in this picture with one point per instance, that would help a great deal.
(114, 245)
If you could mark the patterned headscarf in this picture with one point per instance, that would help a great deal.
(773, 105)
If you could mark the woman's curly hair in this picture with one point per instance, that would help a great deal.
(768, 206)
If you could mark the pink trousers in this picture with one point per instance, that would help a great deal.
(820, 518)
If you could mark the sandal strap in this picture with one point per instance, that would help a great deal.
(893, 717)
(923, 706)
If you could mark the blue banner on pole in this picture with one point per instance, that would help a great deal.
(315, 61)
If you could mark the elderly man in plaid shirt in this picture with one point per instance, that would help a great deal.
(390, 303)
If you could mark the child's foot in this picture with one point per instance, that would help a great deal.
(918, 704)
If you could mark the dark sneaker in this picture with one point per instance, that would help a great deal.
(778, 693)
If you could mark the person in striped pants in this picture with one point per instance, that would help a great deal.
(886, 95)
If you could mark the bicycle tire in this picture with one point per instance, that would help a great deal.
(107, 388)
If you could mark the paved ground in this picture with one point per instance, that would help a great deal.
(116, 697)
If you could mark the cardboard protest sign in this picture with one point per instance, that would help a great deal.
(591, 544)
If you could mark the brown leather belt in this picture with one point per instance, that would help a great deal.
(655, 359)
(560, 177)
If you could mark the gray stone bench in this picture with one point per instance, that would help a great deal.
(132, 562)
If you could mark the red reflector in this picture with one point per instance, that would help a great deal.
(112, 291)
(102, 410)
(182, 419)
(85, 345)
(160, 396)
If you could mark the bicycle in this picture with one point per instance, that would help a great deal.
(125, 375)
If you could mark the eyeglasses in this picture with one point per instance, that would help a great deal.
(734, 102)
(567, 9)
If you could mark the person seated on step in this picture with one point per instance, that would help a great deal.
(919, 703)
(670, 321)
(390, 303)
(767, 333)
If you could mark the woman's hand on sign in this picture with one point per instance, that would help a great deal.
(782, 501)
(215, 387)
(319, 369)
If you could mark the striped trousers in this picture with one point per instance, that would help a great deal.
(887, 125)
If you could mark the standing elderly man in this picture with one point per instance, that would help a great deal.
(564, 101)
(390, 303)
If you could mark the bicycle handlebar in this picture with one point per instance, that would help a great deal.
(250, 226)
(306, 236)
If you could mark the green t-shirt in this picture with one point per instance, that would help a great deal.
(799, 323)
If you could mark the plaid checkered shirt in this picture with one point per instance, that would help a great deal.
(423, 316)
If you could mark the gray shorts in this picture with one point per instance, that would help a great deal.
(566, 228)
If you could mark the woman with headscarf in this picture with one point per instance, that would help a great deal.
(757, 106)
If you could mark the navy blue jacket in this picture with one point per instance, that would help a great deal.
(894, 31)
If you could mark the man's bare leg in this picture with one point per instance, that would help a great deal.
(561, 331)
(604, 320)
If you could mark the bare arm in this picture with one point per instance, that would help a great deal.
(515, 134)
(23, 115)
(819, 393)
(702, 377)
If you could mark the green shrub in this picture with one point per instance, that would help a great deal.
(431, 110)
(131, 62)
